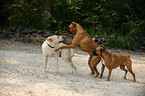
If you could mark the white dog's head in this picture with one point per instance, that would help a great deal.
(55, 39)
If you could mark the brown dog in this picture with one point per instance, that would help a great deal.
(84, 41)
(113, 61)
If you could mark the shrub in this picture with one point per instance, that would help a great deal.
(25, 14)
(120, 42)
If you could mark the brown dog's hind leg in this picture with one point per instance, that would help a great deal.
(130, 70)
(92, 71)
(102, 70)
(96, 71)
(109, 74)
(93, 63)
(122, 67)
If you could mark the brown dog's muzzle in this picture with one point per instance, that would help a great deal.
(94, 53)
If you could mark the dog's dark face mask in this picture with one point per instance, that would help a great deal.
(72, 28)
(94, 53)
(68, 31)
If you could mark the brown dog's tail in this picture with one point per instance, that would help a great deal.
(129, 56)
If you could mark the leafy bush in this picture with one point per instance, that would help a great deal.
(124, 19)
(25, 14)
(120, 42)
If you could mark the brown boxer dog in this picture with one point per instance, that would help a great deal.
(85, 43)
(112, 61)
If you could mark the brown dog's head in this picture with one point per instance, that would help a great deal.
(98, 51)
(72, 27)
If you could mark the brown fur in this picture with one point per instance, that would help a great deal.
(112, 61)
(83, 39)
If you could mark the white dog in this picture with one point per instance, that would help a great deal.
(50, 45)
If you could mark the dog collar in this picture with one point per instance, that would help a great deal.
(60, 41)
(50, 46)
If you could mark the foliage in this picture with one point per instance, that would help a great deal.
(120, 42)
(124, 19)
(25, 14)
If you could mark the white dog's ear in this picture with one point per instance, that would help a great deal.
(50, 39)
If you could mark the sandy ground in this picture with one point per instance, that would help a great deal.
(21, 74)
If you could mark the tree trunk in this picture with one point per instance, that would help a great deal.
(46, 13)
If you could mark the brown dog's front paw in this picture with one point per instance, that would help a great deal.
(92, 73)
(100, 77)
(96, 75)
(107, 80)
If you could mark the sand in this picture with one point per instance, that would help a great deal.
(21, 74)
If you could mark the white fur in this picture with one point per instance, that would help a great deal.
(66, 54)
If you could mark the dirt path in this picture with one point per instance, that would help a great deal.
(21, 74)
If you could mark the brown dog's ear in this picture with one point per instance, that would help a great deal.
(74, 24)
(101, 50)
(94, 53)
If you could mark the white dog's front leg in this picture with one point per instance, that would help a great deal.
(45, 62)
(56, 57)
